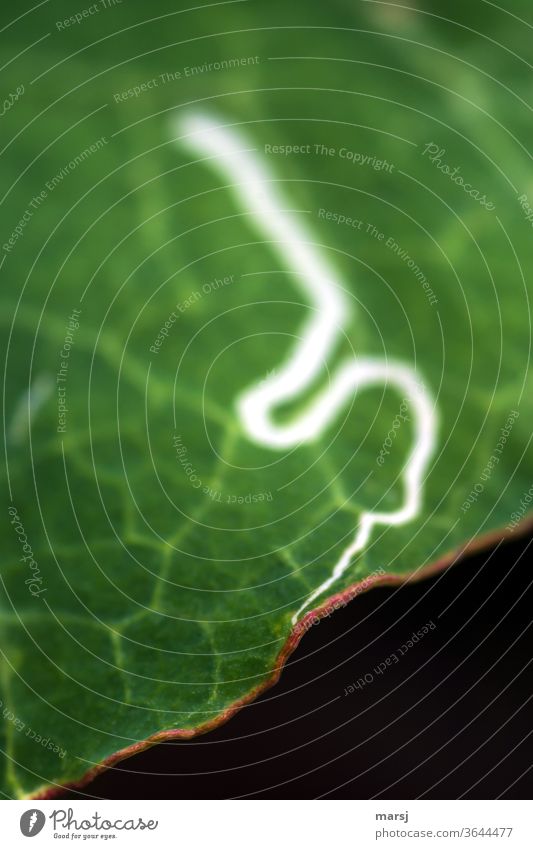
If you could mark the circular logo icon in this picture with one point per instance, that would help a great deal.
(32, 822)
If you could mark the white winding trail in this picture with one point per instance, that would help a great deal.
(229, 153)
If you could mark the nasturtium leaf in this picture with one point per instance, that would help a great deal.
(154, 554)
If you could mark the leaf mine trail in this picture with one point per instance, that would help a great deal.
(232, 155)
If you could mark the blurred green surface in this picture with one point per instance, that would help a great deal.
(165, 604)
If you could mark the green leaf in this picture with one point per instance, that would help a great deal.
(155, 549)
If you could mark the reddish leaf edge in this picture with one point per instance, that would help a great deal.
(483, 542)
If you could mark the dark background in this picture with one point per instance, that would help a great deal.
(451, 719)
